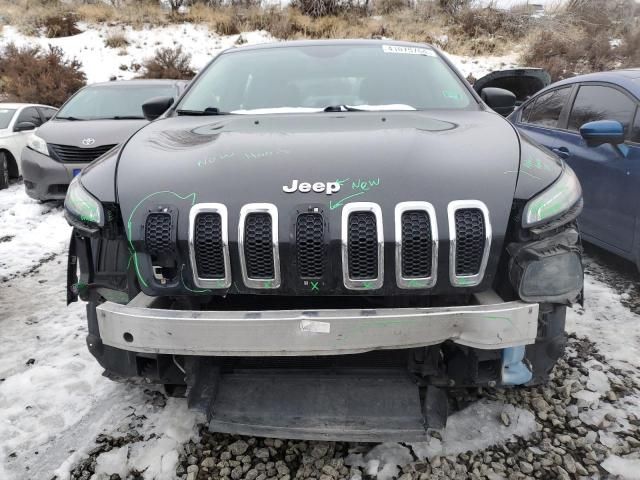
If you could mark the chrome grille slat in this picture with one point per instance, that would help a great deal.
(417, 237)
(359, 249)
(70, 153)
(257, 220)
(209, 245)
(470, 242)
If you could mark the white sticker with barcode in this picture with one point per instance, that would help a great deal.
(315, 327)
(408, 50)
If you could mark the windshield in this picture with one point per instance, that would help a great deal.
(6, 114)
(329, 77)
(112, 102)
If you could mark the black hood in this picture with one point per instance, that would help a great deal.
(104, 132)
(384, 158)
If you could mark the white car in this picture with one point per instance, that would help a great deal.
(17, 122)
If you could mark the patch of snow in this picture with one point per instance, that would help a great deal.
(100, 63)
(479, 66)
(476, 427)
(607, 322)
(114, 461)
(28, 233)
(627, 467)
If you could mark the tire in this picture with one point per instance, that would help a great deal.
(4, 172)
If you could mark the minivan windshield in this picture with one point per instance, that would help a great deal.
(316, 78)
(6, 114)
(112, 102)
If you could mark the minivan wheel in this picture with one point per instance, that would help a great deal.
(4, 171)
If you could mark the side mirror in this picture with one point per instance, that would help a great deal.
(156, 106)
(500, 100)
(602, 131)
(24, 126)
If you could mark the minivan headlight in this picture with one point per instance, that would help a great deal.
(38, 144)
(82, 206)
(553, 202)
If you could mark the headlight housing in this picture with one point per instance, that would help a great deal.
(555, 201)
(38, 144)
(81, 206)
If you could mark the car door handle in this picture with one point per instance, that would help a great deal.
(562, 152)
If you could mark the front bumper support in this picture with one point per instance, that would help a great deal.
(139, 327)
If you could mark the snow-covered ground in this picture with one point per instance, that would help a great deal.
(54, 402)
(101, 63)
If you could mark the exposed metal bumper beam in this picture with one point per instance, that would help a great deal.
(140, 328)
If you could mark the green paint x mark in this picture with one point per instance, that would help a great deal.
(367, 285)
(414, 283)
(131, 247)
(267, 284)
(314, 287)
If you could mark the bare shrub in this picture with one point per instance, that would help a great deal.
(116, 40)
(317, 8)
(628, 51)
(35, 75)
(451, 7)
(568, 52)
(171, 63)
(385, 7)
(64, 25)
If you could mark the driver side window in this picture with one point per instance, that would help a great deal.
(596, 102)
(546, 109)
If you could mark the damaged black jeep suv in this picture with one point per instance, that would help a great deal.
(320, 238)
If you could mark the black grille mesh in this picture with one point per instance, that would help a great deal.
(416, 244)
(258, 248)
(69, 153)
(208, 245)
(470, 238)
(362, 246)
(310, 245)
(158, 233)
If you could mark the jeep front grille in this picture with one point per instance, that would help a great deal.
(209, 245)
(362, 246)
(157, 234)
(70, 153)
(310, 245)
(470, 232)
(258, 245)
(416, 245)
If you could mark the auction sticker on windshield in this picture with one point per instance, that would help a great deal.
(408, 50)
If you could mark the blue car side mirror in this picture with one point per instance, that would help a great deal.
(602, 131)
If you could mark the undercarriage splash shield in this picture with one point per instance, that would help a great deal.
(372, 407)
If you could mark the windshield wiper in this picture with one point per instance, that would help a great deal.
(206, 111)
(73, 119)
(342, 108)
(124, 117)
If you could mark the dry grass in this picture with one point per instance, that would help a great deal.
(116, 39)
(574, 38)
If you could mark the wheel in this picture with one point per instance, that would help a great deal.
(4, 171)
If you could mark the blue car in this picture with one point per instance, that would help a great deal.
(593, 122)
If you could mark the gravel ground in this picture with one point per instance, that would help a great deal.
(587, 412)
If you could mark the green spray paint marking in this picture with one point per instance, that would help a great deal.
(368, 285)
(185, 285)
(339, 203)
(315, 287)
(359, 186)
(267, 284)
(133, 250)
(415, 283)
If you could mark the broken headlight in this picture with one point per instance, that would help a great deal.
(562, 196)
(81, 206)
